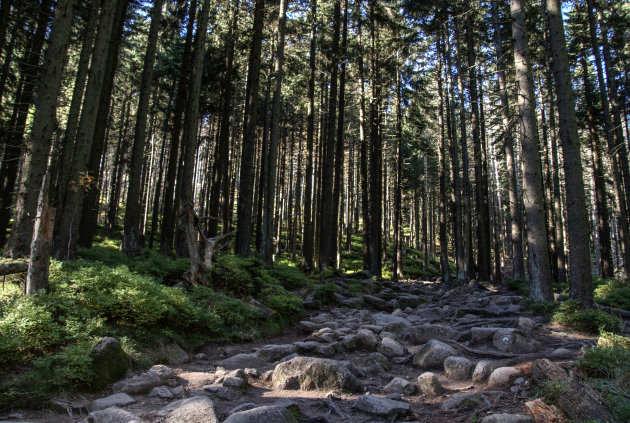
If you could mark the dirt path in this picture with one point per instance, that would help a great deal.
(396, 330)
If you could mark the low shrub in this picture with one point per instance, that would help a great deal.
(614, 293)
(609, 359)
(570, 314)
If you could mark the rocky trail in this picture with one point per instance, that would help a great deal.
(405, 352)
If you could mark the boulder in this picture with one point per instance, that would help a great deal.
(482, 334)
(507, 418)
(111, 415)
(514, 341)
(109, 362)
(427, 332)
(482, 371)
(273, 353)
(144, 382)
(390, 322)
(366, 339)
(432, 354)
(242, 361)
(162, 392)
(399, 385)
(391, 348)
(381, 406)
(174, 354)
(193, 410)
(267, 414)
(117, 400)
(312, 373)
(457, 368)
(502, 376)
(428, 384)
(377, 302)
(526, 324)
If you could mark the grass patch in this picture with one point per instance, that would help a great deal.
(571, 315)
(612, 292)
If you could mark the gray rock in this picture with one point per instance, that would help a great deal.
(474, 399)
(242, 407)
(408, 300)
(399, 385)
(242, 361)
(228, 394)
(502, 376)
(273, 353)
(560, 352)
(391, 348)
(526, 324)
(111, 415)
(366, 339)
(144, 382)
(390, 322)
(377, 302)
(349, 343)
(119, 400)
(234, 382)
(307, 346)
(162, 392)
(174, 354)
(381, 406)
(514, 341)
(482, 371)
(457, 368)
(482, 334)
(306, 327)
(317, 373)
(507, 418)
(109, 362)
(266, 414)
(432, 354)
(424, 333)
(193, 410)
(428, 384)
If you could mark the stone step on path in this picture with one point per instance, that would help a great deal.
(411, 352)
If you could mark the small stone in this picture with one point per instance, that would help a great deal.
(228, 394)
(457, 368)
(391, 348)
(240, 361)
(399, 385)
(162, 392)
(267, 414)
(507, 418)
(111, 415)
(192, 410)
(174, 354)
(560, 352)
(526, 324)
(502, 376)
(119, 400)
(428, 384)
(381, 406)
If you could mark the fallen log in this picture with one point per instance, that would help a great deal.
(14, 267)
(622, 313)
(575, 400)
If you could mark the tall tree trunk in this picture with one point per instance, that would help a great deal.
(169, 211)
(397, 256)
(443, 168)
(270, 193)
(580, 279)
(538, 260)
(69, 212)
(244, 214)
(307, 237)
(326, 202)
(133, 239)
(39, 142)
(481, 177)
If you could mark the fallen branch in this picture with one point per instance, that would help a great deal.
(622, 313)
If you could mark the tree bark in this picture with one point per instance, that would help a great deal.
(244, 214)
(537, 241)
(133, 239)
(37, 275)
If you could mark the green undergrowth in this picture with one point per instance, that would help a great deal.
(46, 339)
(607, 370)
(570, 314)
(613, 292)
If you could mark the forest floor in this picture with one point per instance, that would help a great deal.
(377, 337)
